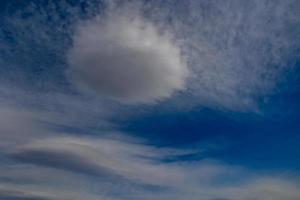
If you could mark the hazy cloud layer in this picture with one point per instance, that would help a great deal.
(107, 162)
(59, 166)
(56, 165)
(237, 51)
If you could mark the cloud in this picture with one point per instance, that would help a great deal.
(53, 145)
(137, 176)
(96, 156)
(17, 127)
(51, 164)
(19, 195)
(126, 58)
(238, 53)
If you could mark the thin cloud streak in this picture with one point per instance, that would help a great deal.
(137, 168)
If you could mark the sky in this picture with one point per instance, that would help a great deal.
(149, 100)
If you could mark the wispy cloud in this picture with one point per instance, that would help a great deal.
(236, 52)
(69, 166)
(58, 143)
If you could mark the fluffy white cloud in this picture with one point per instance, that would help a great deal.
(126, 58)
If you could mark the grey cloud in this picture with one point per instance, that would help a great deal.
(49, 110)
(17, 126)
(176, 180)
(19, 195)
(40, 193)
(99, 157)
(124, 57)
(60, 160)
(238, 51)
(55, 165)
(70, 166)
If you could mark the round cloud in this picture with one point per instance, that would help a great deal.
(127, 59)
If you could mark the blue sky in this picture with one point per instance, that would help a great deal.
(149, 100)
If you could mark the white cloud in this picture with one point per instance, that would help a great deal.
(126, 58)
(238, 52)
(46, 163)
(107, 162)
(43, 163)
